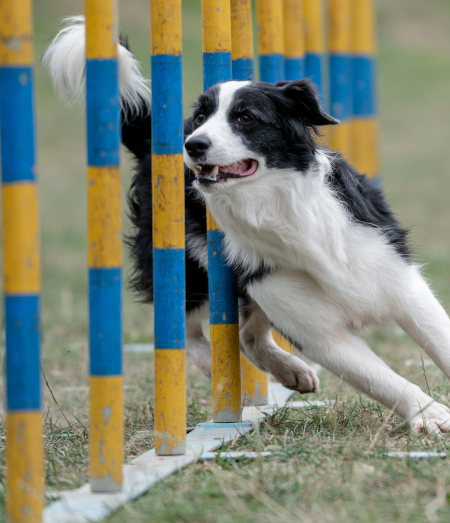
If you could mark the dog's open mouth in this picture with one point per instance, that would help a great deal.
(215, 173)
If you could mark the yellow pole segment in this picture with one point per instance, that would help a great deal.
(241, 32)
(365, 124)
(224, 331)
(270, 19)
(223, 294)
(104, 246)
(314, 42)
(168, 228)
(21, 265)
(294, 41)
(253, 381)
(339, 35)
(24, 456)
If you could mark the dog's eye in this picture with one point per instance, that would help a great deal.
(245, 118)
(200, 118)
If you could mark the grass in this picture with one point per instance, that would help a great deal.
(320, 469)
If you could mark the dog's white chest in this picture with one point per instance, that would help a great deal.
(312, 239)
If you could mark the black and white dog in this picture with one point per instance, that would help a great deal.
(318, 253)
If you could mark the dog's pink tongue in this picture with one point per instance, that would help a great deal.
(241, 168)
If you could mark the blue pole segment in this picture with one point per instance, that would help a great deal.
(217, 68)
(363, 86)
(271, 68)
(23, 372)
(243, 69)
(340, 86)
(169, 284)
(17, 124)
(294, 68)
(314, 71)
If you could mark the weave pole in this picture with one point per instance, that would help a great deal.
(242, 40)
(21, 264)
(270, 18)
(314, 42)
(223, 294)
(254, 383)
(294, 43)
(365, 148)
(104, 246)
(340, 94)
(168, 228)
(271, 42)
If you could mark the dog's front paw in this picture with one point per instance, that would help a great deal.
(296, 375)
(434, 419)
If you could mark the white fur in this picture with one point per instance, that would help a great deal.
(65, 60)
(331, 276)
(197, 247)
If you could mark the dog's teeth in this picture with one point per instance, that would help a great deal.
(216, 170)
(199, 167)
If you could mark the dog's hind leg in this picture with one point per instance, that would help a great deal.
(197, 344)
(424, 319)
(258, 346)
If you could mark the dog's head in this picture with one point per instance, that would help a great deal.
(242, 130)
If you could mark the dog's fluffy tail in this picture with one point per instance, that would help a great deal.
(65, 61)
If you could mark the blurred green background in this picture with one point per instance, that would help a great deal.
(414, 89)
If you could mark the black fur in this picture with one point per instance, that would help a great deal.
(366, 205)
(136, 136)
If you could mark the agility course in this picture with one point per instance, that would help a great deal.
(227, 53)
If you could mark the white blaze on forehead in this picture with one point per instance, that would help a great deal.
(226, 94)
(219, 118)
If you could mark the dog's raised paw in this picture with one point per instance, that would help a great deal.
(297, 376)
(433, 420)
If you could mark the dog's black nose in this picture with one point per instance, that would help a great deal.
(197, 146)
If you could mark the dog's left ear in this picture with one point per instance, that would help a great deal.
(304, 94)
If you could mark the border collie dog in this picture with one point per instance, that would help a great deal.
(318, 253)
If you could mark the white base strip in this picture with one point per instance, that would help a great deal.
(139, 347)
(83, 506)
(208, 456)
(416, 454)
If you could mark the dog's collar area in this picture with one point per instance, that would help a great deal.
(213, 173)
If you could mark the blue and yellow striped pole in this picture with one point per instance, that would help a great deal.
(314, 42)
(223, 294)
(365, 148)
(168, 228)
(254, 383)
(271, 42)
(242, 40)
(340, 72)
(294, 42)
(270, 17)
(104, 246)
(21, 264)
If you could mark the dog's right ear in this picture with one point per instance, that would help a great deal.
(303, 94)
